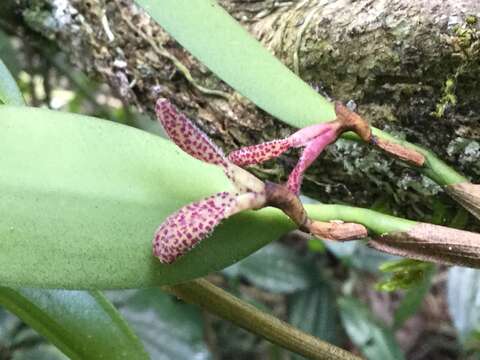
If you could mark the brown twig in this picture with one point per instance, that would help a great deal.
(411, 156)
(354, 122)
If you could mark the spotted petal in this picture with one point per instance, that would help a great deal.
(186, 135)
(184, 229)
(181, 231)
(257, 154)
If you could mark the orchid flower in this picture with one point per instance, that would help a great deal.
(314, 139)
(182, 230)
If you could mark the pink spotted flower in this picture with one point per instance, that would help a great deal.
(314, 138)
(184, 229)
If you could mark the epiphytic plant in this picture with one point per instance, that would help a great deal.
(184, 229)
(314, 138)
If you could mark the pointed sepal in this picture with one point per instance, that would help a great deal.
(184, 229)
(257, 154)
(186, 135)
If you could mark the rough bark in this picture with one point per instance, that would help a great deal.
(411, 67)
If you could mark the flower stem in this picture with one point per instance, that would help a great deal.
(434, 168)
(221, 303)
(375, 221)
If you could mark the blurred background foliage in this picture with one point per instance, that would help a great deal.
(357, 298)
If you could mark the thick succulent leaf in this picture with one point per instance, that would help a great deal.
(81, 324)
(237, 58)
(64, 317)
(274, 268)
(169, 329)
(9, 91)
(88, 195)
(373, 339)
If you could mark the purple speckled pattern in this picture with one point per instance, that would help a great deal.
(187, 136)
(314, 138)
(184, 229)
(256, 154)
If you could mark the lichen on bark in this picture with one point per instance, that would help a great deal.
(393, 59)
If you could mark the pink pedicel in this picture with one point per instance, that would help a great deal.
(184, 229)
(257, 154)
(315, 138)
(186, 135)
(309, 154)
(303, 136)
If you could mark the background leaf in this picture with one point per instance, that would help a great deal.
(315, 311)
(413, 298)
(358, 255)
(274, 268)
(9, 54)
(83, 325)
(88, 195)
(39, 352)
(170, 329)
(9, 91)
(463, 295)
(374, 340)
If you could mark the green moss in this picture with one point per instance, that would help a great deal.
(448, 98)
(467, 39)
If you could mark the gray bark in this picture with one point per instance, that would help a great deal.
(412, 68)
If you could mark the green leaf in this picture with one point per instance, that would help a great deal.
(170, 329)
(463, 289)
(88, 195)
(8, 325)
(219, 42)
(40, 352)
(81, 324)
(404, 274)
(413, 298)
(373, 339)
(274, 268)
(358, 255)
(9, 54)
(315, 312)
(240, 60)
(9, 91)
(316, 245)
(65, 318)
